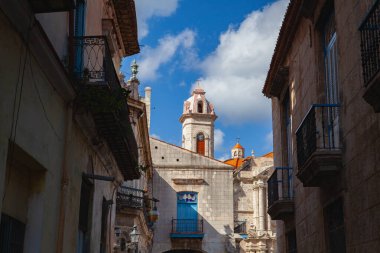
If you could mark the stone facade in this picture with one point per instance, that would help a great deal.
(346, 197)
(135, 197)
(254, 230)
(58, 174)
(177, 170)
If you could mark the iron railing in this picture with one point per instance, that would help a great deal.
(280, 185)
(240, 227)
(92, 62)
(130, 197)
(187, 226)
(319, 130)
(370, 43)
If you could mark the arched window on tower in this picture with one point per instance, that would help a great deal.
(200, 144)
(200, 107)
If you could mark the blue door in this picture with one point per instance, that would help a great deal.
(187, 212)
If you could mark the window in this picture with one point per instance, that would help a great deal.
(200, 106)
(84, 214)
(335, 227)
(287, 131)
(200, 144)
(12, 233)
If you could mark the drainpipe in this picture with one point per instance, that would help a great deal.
(64, 181)
(64, 175)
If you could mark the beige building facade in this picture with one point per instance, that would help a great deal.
(195, 190)
(134, 200)
(59, 166)
(324, 86)
(253, 228)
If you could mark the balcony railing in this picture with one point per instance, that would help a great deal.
(92, 62)
(130, 197)
(187, 226)
(318, 145)
(280, 185)
(280, 193)
(318, 131)
(240, 227)
(99, 91)
(370, 43)
(370, 51)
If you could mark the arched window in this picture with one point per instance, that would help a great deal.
(200, 107)
(200, 144)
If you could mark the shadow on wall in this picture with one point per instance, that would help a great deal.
(187, 242)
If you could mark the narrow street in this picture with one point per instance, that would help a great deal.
(145, 126)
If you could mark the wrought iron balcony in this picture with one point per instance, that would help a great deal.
(318, 146)
(280, 194)
(128, 197)
(92, 62)
(370, 51)
(187, 228)
(240, 227)
(99, 91)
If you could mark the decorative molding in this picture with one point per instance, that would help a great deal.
(189, 181)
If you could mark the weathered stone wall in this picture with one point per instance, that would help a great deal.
(250, 204)
(360, 133)
(44, 124)
(215, 195)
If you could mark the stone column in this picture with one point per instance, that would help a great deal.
(261, 206)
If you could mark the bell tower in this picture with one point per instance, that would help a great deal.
(197, 120)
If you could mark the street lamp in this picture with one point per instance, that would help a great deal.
(135, 238)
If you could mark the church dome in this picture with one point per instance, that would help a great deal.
(238, 146)
(198, 103)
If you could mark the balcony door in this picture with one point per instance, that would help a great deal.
(79, 31)
(331, 81)
(187, 211)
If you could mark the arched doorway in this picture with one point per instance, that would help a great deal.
(184, 251)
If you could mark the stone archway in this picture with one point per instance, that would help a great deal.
(184, 251)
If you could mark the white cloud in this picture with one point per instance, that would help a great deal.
(218, 139)
(147, 9)
(224, 157)
(155, 136)
(235, 72)
(168, 46)
(269, 140)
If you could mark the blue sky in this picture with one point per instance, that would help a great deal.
(227, 45)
